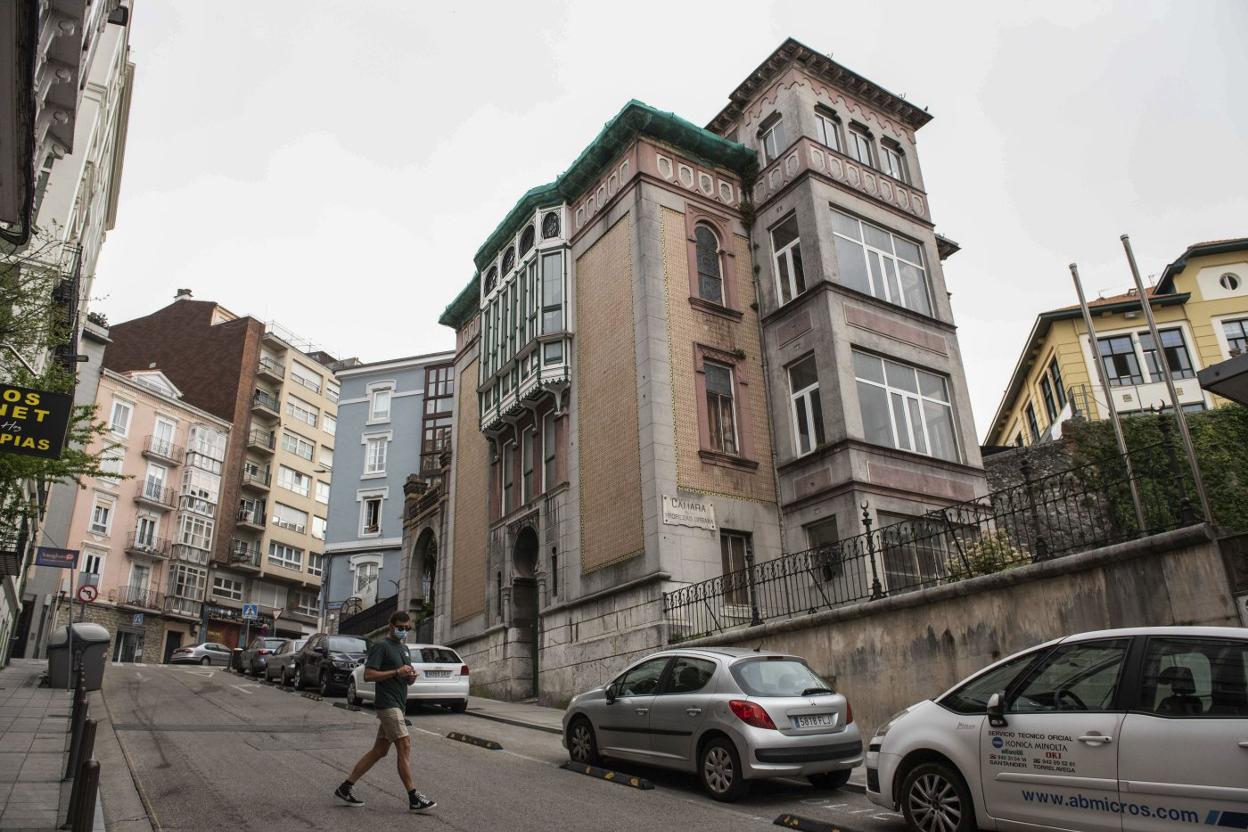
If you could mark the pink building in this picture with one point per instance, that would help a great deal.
(146, 535)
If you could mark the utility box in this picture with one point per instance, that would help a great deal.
(90, 642)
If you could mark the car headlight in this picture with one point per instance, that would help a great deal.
(888, 723)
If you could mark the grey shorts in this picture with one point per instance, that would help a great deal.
(391, 724)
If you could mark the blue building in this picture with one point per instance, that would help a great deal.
(394, 420)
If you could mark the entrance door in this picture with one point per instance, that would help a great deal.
(524, 599)
(173, 640)
(1056, 762)
(129, 647)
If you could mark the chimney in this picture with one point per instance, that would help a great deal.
(182, 293)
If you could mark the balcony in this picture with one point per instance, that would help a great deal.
(163, 450)
(187, 608)
(270, 369)
(244, 554)
(136, 598)
(297, 614)
(265, 404)
(191, 554)
(152, 547)
(264, 441)
(256, 477)
(153, 493)
(249, 519)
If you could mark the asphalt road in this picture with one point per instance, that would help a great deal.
(212, 750)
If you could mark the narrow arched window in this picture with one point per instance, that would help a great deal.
(491, 279)
(509, 260)
(526, 240)
(710, 273)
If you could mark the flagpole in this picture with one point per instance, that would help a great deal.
(1179, 415)
(1109, 397)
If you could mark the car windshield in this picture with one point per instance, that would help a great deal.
(298, 644)
(344, 644)
(778, 676)
(430, 655)
(272, 643)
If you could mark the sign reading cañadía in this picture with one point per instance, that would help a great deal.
(33, 422)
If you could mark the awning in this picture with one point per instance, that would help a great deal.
(1228, 379)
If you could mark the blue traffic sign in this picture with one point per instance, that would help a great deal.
(251, 611)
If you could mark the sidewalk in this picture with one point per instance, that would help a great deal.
(550, 720)
(34, 744)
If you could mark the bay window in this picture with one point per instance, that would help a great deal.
(879, 263)
(771, 138)
(807, 409)
(552, 293)
(905, 407)
(195, 531)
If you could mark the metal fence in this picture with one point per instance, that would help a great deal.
(1039, 518)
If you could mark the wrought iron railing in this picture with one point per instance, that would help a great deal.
(256, 476)
(157, 547)
(154, 491)
(133, 596)
(1035, 519)
(165, 448)
(268, 365)
(262, 439)
(187, 607)
(263, 399)
(244, 553)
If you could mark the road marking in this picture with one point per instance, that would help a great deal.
(139, 676)
(242, 688)
(524, 757)
(207, 674)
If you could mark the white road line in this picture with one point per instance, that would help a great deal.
(242, 688)
(139, 676)
(139, 664)
(525, 757)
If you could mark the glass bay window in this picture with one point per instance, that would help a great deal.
(905, 407)
(879, 263)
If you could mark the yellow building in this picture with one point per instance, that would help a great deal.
(1201, 307)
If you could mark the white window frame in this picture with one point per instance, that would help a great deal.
(195, 531)
(161, 480)
(867, 249)
(164, 444)
(111, 463)
(149, 520)
(329, 423)
(107, 507)
(893, 162)
(375, 461)
(317, 492)
(859, 142)
(298, 442)
(325, 456)
(364, 497)
(319, 525)
(375, 394)
(290, 479)
(785, 255)
(770, 141)
(827, 125)
(127, 407)
(309, 380)
(907, 396)
(316, 564)
(333, 391)
(285, 556)
(289, 524)
(803, 399)
(92, 557)
(233, 592)
(304, 411)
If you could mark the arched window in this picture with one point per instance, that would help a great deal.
(710, 274)
(526, 240)
(550, 225)
(509, 260)
(491, 278)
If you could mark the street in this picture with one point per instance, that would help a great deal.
(212, 750)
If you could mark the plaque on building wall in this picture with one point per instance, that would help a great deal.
(683, 511)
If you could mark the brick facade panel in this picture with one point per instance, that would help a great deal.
(471, 501)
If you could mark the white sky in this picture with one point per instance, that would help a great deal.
(335, 166)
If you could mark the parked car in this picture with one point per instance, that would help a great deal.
(1136, 730)
(728, 715)
(441, 679)
(209, 652)
(256, 656)
(282, 663)
(326, 661)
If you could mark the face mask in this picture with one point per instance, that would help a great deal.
(400, 633)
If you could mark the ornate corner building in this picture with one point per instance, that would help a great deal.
(695, 350)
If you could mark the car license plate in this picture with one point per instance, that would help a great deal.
(437, 674)
(815, 721)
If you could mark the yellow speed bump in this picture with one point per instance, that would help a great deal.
(804, 824)
(609, 775)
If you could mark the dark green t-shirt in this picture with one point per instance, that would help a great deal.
(389, 654)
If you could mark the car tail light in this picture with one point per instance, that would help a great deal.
(751, 713)
(463, 670)
(849, 712)
(263, 652)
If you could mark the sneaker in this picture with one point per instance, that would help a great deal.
(417, 802)
(344, 794)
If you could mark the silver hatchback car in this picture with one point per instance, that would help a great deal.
(728, 715)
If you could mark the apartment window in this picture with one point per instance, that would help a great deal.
(305, 376)
(772, 140)
(205, 486)
(316, 564)
(92, 563)
(332, 391)
(720, 408)
(120, 422)
(330, 424)
(366, 575)
(733, 547)
(552, 293)
(155, 482)
(290, 518)
(162, 436)
(223, 587)
(526, 466)
(293, 480)
(251, 510)
(318, 527)
(370, 515)
(297, 445)
(195, 531)
(322, 492)
(913, 551)
(1032, 424)
(287, 557)
(710, 273)
(306, 602)
(828, 129)
(102, 517)
(822, 537)
(904, 407)
(860, 144)
(110, 465)
(1050, 404)
(145, 531)
(325, 457)
(894, 160)
(375, 454)
(548, 451)
(508, 473)
(301, 410)
(1177, 359)
(1122, 367)
(879, 263)
(207, 441)
(1055, 372)
(790, 277)
(1236, 333)
(187, 581)
(807, 410)
(379, 405)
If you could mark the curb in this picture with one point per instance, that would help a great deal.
(519, 723)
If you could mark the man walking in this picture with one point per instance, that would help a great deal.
(389, 666)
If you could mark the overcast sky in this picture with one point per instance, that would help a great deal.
(335, 166)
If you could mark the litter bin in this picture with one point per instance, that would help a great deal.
(90, 642)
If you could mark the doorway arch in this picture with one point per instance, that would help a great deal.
(524, 596)
(422, 576)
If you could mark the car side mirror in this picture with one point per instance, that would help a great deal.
(320, 651)
(612, 692)
(996, 710)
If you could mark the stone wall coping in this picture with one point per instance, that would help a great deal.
(1082, 562)
(572, 603)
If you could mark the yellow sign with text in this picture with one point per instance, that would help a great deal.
(33, 422)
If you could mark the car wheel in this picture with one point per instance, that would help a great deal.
(830, 779)
(205, 661)
(934, 798)
(353, 698)
(459, 707)
(323, 688)
(582, 744)
(719, 766)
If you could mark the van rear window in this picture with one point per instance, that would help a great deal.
(438, 655)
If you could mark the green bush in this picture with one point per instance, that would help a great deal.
(991, 552)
